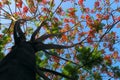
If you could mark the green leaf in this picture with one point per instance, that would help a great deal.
(97, 76)
(1, 55)
(70, 70)
(89, 58)
(44, 63)
(68, 56)
(37, 23)
(39, 0)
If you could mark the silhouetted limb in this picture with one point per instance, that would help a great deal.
(40, 73)
(36, 31)
(54, 72)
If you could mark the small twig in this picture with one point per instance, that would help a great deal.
(108, 30)
(58, 6)
(36, 31)
(59, 57)
(9, 9)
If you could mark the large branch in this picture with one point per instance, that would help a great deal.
(54, 72)
(45, 36)
(41, 46)
(18, 34)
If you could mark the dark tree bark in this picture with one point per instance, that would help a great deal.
(19, 64)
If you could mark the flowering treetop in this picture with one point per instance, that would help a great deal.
(93, 24)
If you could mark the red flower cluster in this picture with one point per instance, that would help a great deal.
(25, 9)
(19, 4)
(97, 4)
(80, 2)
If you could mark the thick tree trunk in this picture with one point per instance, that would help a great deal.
(19, 64)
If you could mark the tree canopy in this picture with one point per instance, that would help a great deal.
(88, 29)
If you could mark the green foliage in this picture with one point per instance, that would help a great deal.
(100, 27)
(70, 70)
(1, 55)
(3, 41)
(41, 59)
(116, 71)
(97, 76)
(89, 58)
(39, 0)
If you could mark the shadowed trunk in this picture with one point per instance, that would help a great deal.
(19, 64)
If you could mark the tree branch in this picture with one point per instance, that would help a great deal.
(54, 72)
(36, 31)
(45, 36)
(60, 57)
(108, 30)
(56, 46)
(41, 74)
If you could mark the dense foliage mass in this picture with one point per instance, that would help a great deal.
(90, 26)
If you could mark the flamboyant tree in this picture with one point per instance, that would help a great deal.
(89, 27)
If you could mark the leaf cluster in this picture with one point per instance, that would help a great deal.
(89, 58)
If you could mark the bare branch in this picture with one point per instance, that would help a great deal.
(60, 57)
(56, 46)
(40, 73)
(45, 36)
(18, 34)
(54, 72)
(36, 31)
(108, 30)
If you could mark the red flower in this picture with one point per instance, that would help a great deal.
(55, 19)
(71, 10)
(92, 11)
(116, 1)
(71, 14)
(72, 21)
(80, 2)
(59, 10)
(107, 57)
(0, 5)
(19, 5)
(118, 18)
(44, 2)
(115, 55)
(0, 35)
(17, 13)
(64, 38)
(45, 10)
(87, 17)
(97, 4)
(66, 20)
(25, 9)
(99, 16)
(87, 10)
(89, 40)
(106, 17)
